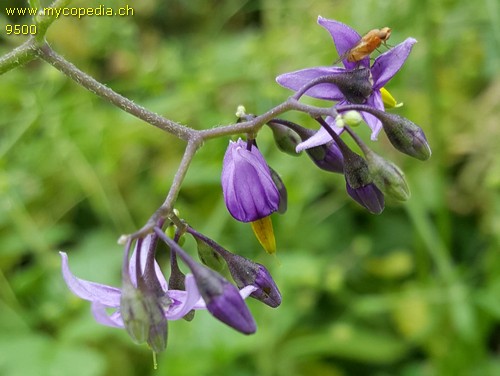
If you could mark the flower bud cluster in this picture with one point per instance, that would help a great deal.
(253, 191)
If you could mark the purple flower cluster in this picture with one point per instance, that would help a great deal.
(145, 303)
(252, 190)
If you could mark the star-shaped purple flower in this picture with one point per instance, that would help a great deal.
(177, 303)
(383, 69)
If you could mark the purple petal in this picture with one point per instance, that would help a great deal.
(246, 291)
(321, 137)
(389, 63)
(187, 299)
(102, 316)
(344, 38)
(374, 123)
(230, 308)
(249, 190)
(91, 291)
(296, 80)
(144, 256)
(368, 196)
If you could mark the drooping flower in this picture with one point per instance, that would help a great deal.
(250, 193)
(382, 70)
(175, 303)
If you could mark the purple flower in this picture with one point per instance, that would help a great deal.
(175, 303)
(221, 298)
(249, 190)
(383, 69)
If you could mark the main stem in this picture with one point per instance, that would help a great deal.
(194, 138)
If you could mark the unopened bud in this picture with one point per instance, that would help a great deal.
(327, 157)
(356, 171)
(359, 182)
(240, 111)
(352, 118)
(405, 136)
(209, 257)
(246, 272)
(368, 196)
(223, 300)
(285, 138)
(387, 177)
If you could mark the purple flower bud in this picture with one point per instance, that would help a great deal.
(246, 272)
(327, 157)
(223, 300)
(359, 183)
(368, 196)
(248, 187)
(405, 136)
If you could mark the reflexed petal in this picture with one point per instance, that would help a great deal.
(146, 243)
(321, 137)
(91, 291)
(188, 299)
(102, 316)
(246, 291)
(295, 80)
(390, 62)
(374, 123)
(344, 38)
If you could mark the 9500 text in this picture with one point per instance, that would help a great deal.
(20, 29)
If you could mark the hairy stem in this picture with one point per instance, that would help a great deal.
(168, 205)
(18, 56)
(45, 20)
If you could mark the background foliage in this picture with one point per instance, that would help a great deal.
(414, 291)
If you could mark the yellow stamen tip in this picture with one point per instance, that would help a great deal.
(263, 230)
(388, 99)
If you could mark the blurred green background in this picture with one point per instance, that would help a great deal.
(414, 291)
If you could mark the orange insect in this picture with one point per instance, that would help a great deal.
(366, 45)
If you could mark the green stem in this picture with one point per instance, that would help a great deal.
(44, 21)
(18, 56)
